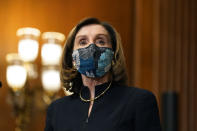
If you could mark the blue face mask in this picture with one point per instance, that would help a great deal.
(93, 61)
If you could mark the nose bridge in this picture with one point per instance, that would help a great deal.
(91, 41)
(91, 37)
(93, 45)
(92, 48)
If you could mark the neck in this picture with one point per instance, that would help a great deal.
(92, 82)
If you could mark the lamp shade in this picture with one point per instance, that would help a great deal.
(52, 49)
(16, 73)
(51, 54)
(51, 80)
(16, 76)
(28, 44)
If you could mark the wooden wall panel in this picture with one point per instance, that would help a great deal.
(166, 37)
(147, 45)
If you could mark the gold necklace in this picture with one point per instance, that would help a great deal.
(96, 96)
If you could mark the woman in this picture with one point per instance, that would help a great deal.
(93, 68)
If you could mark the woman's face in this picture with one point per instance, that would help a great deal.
(89, 34)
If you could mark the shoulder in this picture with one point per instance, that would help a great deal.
(143, 100)
(62, 102)
(143, 103)
(134, 95)
(141, 94)
(134, 92)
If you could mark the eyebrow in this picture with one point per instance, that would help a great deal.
(106, 35)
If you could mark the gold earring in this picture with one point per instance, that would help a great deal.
(70, 86)
(113, 63)
(74, 66)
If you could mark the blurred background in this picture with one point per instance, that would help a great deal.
(159, 41)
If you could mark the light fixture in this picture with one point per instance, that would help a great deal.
(51, 79)
(16, 76)
(51, 53)
(52, 48)
(22, 73)
(28, 43)
(51, 84)
(16, 73)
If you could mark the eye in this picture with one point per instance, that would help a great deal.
(100, 41)
(83, 42)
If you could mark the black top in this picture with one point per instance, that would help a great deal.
(121, 108)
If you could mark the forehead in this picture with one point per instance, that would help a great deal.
(92, 29)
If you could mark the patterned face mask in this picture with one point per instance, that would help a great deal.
(93, 61)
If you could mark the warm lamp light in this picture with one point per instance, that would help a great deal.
(51, 54)
(51, 80)
(16, 73)
(28, 44)
(22, 72)
(28, 49)
(52, 49)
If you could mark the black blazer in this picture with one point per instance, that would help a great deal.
(121, 108)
